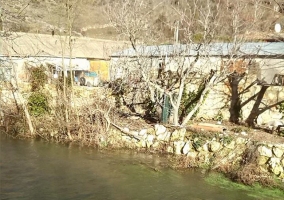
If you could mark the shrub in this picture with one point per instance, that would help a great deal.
(38, 104)
(38, 78)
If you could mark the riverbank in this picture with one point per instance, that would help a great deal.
(50, 169)
(239, 157)
(244, 155)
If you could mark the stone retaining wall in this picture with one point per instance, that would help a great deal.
(210, 149)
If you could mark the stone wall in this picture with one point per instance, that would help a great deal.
(218, 101)
(211, 150)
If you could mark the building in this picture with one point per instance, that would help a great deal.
(21, 50)
(268, 56)
(263, 61)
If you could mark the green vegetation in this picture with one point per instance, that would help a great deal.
(38, 104)
(38, 100)
(38, 78)
(255, 190)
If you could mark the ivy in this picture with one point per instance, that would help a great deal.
(38, 104)
(38, 78)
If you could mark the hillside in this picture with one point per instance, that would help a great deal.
(91, 20)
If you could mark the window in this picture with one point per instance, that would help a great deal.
(5, 73)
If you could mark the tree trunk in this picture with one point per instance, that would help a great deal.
(235, 107)
(255, 110)
(25, 109)
(200, 102)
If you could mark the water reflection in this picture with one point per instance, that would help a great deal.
(40, 170)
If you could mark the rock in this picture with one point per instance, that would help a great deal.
(244, 133)
(273, 162)
(277, 170)
(204, 157)
(143, 132)
(156, 144)
(151, 131)
(149, 140)
(160, 129)
(272, 125)
(134, 133)
(205, 147)
(214, 146)
(142, 144)
(178, 147)
(125, 138)
(192, 154)
(175, 135)
(231, 145)
(126, 129)
(261, 160)
(240, 140)
(264, 151)
(277, 152)
(186, 148)
(164, 137)
(170, 149)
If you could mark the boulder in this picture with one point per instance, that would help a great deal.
(164, 137)
(160, 129)
(151, 131)
(277, 170)
(265, 151)
(142, 143)
(149, 140)
(175, 135)
(261, 160)
(277, 152)
(178, 145)
(143, 132)
(186, 148)
(274, 162)
(205, 147)
(214, 146)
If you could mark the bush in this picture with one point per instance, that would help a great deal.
(38, 104)
(38, 78)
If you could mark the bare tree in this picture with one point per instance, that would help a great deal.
(197, 22)
(11, 84)
(177, 70)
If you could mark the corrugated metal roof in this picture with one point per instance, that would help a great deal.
(213, 49)
(29, 44)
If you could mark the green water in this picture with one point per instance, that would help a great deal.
(32, 169)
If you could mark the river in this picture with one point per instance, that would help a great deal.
(31, 169)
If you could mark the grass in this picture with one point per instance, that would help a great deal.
(256, 191)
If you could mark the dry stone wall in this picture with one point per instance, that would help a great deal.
(207, 150)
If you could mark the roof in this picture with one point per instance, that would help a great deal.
(213, 49)
(42, 45)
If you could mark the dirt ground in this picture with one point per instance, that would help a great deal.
(136, 123)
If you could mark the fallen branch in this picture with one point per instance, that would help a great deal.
(126, 132)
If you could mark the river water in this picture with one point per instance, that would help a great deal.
(31, 169)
